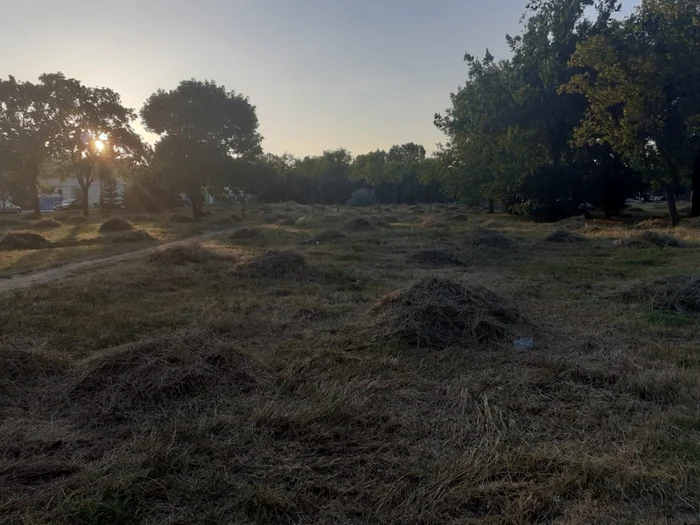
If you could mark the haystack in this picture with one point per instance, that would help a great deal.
(45, 224)
(23, 241)
(650, 239)
(489, 238)
(187, 253)
(327, 237)
(435, 313)
(677, 293)
(572, 224)
(115, 224)
(274, 264)
(565, 237)
(131, 236)
(359, 224)
(434, 259)
(247, 232)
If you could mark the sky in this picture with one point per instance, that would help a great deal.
(323, 74)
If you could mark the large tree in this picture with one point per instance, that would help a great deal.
(203, 126)
(641, 80)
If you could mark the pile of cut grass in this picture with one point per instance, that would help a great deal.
(45, 224)
(674, 294)
(246, 232)
(572, 224)
(434, 259)
(359, 224)
(650, 238)
(565, 237)
(115, 224)
(23, 368)
(652, 223)
(276, 264)
(434, 222)
(489, 239)
(131, 236)
(327, 236)
(458, 216)
(436, 313)
(178, 218)
(187, 253)
(23, 241)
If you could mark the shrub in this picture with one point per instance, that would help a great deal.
(361, 198)
(115, 224)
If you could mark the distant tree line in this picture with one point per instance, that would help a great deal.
(588, 110)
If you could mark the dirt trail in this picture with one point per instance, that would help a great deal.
(54, 274)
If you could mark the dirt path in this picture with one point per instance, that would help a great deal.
(54, 274)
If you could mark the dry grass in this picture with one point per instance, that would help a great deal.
(328, 236)
(434, 222)
(141, 218)
(187, 253)
(189, 393)
(676, 294)
(434, 259)
(359, 224)
(45, 224)
(179, 218)
(572, 224)
(489, 239)
(131, 236)
(276, 264)
(246, 232)
(23, 241)
(564, 237)
(115, 224)
(436, 313)
(650, 238)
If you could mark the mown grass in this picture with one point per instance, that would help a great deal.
(151, 392)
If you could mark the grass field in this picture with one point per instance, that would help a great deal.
(366, 375)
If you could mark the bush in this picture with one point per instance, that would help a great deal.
(115, 224)
(361, 198)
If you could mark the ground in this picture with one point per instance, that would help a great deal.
(158, 390)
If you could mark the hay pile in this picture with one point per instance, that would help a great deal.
(178, 218)
(435, 313)
(434, 222)
(490, 239)
(23, 368)
(565, 236)
(115, 224)
(187, 253)
(572, 224)
(326, 237)
(131, 236)
(359, 224)
(146, 376)
(23, 241)
(275, 264)
(247, 232)
(139, 219)
(676, 294)
(650, 239)
(434, 259)
(45, 224)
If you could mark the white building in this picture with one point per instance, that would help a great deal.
(55, 190)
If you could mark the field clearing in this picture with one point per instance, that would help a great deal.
(228, 384)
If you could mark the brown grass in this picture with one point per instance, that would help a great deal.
(275, 264)
(436, 313)
(23, 241)
(115, 224)
(564, 237)
(187, 253)
(434, 259)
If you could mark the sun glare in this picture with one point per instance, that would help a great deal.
(99, 145)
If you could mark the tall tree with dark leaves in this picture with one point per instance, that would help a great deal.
(203, 127)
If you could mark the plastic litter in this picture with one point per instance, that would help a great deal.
(527, 343)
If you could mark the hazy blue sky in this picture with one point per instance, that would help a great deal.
(361, 74)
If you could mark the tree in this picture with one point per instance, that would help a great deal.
(28, 129)
(402, 164)
(312, 169)
(335, 181)
(370, 167)
(203, 127)
(110, 198)
(640, 80)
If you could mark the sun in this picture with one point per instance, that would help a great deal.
(99, 145)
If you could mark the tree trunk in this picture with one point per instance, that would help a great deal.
(672, 207)
(492, 207)
(695, 208)
(85, 199)
(36, 205)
